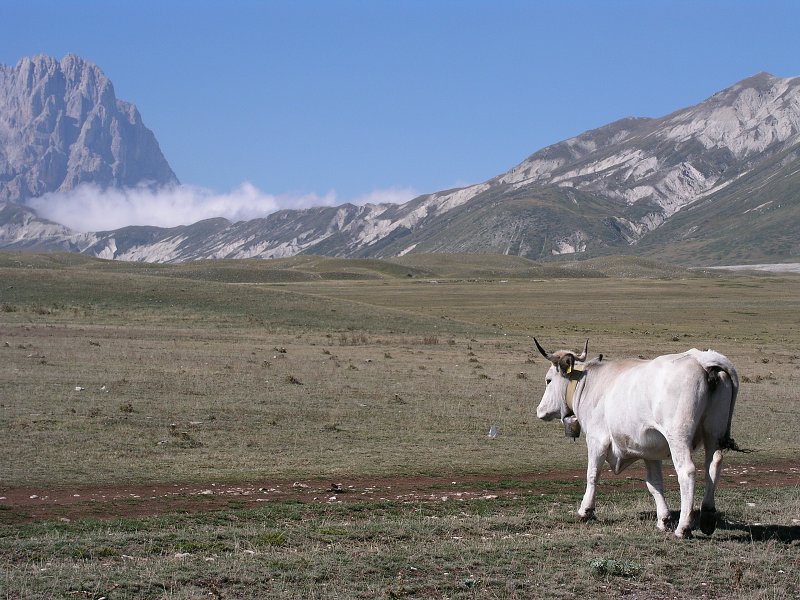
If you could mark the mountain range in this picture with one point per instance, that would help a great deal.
(715, 183)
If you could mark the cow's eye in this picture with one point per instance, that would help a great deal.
(547, 381)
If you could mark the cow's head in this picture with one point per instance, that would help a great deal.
(554, 399)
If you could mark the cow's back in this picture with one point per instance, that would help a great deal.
(640, 403)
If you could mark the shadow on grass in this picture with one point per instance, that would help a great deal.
(749, 532)
(759, 532)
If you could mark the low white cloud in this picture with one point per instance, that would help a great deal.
(90, 208)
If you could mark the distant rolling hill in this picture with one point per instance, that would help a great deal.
(303, 268)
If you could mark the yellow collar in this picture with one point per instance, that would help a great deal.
(575, 375)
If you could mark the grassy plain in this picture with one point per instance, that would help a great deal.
(522, 547)
(322, 368)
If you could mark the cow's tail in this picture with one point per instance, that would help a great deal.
(723, 387)
(723, 382)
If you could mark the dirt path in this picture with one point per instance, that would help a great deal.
(116, 501)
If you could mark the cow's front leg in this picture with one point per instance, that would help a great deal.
(655, 485)
(596, 457)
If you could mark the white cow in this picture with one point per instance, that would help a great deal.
(649, 410)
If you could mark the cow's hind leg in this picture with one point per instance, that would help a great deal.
(716, 428)
(682, 459)
(655, 485)
(713, 468)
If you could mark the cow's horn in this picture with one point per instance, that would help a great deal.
(585, 352)
(544, 352)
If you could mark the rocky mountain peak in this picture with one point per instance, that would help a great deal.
(759, 114)
(662, 165)
(91, 87)
(61, 125)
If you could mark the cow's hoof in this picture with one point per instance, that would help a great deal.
(661, 524)
(683, 534)
(587, 515)
(708, 521)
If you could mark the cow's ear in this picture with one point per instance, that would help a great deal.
(566, 363)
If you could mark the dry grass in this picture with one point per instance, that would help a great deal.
(371, 408)
(224, 367)
(126, 373)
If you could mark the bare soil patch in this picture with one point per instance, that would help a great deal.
(34, 504)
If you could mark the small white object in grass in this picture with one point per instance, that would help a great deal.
(79, 388)
(492, 432)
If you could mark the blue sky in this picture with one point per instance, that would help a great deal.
(334, 101)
